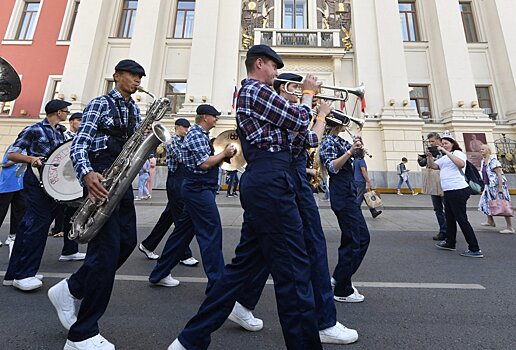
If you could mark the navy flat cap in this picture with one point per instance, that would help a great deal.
(130, 66)
(183, 122)
(286, 76)
(76, 115)
(207, 109)
(264, 50)
(56, 105)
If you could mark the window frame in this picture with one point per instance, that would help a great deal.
(489, 100)
(174, 107)
(185, 16)
(472, 21)
(415, 20)
(294, 15)
(50, 91)
(126, 13)
(33, 21)
(426, 88)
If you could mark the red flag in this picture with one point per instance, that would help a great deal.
(363, 104)
(342, 102)
(235, 94)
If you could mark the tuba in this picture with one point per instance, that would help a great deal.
(91, 216)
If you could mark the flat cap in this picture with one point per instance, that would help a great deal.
(183, 122)
(130, 66)
(207, 109)
(76, 115)
(286, 76)
(264, 50)
(55, 105)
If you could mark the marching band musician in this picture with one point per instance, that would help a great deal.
(336, 155)
(175, 203)
(39, 141)
(272, 230)
(108, 122)
(330, 331)
(200, 216)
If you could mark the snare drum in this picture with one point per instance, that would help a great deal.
(57, 176)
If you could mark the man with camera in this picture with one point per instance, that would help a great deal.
(434, 141)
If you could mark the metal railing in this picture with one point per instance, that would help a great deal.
(298, 37)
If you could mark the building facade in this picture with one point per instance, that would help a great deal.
(426, 65)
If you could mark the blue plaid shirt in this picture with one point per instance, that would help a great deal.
(174, 153)
(39, 139)
(304, 140)
(266, 119)
(332, 148)
(196, 149)
(97, 115)
(69, 134)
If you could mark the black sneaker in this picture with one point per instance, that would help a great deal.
(445, 246)
(439, 237)
(376, 213)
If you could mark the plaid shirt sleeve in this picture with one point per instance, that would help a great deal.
(195, 149)
(331, 149)
(85, 136)
(173, 153)
(23, 141)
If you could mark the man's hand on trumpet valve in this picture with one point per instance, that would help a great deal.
(324, 109)
(310, 84)
(357, 144)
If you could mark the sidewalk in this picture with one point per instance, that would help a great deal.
(390, 201)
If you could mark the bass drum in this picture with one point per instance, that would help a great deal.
(57, 177)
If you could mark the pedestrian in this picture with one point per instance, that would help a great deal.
(108, 122)
(232, 183)
(434, 140)
(495, 187)
(456, 194)
(152, 173)
(362, 180)
(402, 171)
(143, 178)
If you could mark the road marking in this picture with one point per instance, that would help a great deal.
(356, 284)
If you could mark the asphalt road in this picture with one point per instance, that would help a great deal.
(417, 297)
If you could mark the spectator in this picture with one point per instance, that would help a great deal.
(362, 180)
(142, 182)
(495, 185)
(152, 173)
(434, 140)
(403, 173)
(232, 183)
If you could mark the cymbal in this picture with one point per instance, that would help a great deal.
(10, 85)
(230, 137)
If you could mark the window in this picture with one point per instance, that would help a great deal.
(408, 19)
(27, 24)
(294, 14)
(468, 22)
(184, 19)
(73, 17)
(56, 88)
(420, 101)
(110, 85)
(175, 92)
(484, 99)
(5, 108)
(125, 29)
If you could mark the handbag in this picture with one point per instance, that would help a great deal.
(499, 206)
(431, 182)
(373, 199)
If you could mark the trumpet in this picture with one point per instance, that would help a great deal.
(358, 91)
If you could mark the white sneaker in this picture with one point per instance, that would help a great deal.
(26, 284)
(150, 255)
(191, 261)
(352, 298)
(176, 345)
(97, 342)
(338, 334)
(245, 318)
(356, 291)
(10, 239)
(64, 302)
(8, 283)
(73, 257)
(168, 281)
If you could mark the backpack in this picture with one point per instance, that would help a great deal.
(472, 175)
(398, 169)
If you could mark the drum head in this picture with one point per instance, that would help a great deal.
(59, 180)
(237, 162)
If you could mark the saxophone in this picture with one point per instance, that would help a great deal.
(91, 216)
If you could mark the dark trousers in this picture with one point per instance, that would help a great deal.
(200, 218)
(232, 182)
(361, 190)
(17, 202)
(69, 246)
(315, 247)
(438, 204)
(455, 210)
(59, 219)
(32, 237)
(272, 237)
(170, 215)
(93, 282)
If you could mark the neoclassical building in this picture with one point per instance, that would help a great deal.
(426, 65)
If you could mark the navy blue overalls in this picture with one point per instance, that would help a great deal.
(200, 217)
(315, 246)
(110, 248)
(41, 210)
(272, 237)
(172, 212)
(354, 238)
